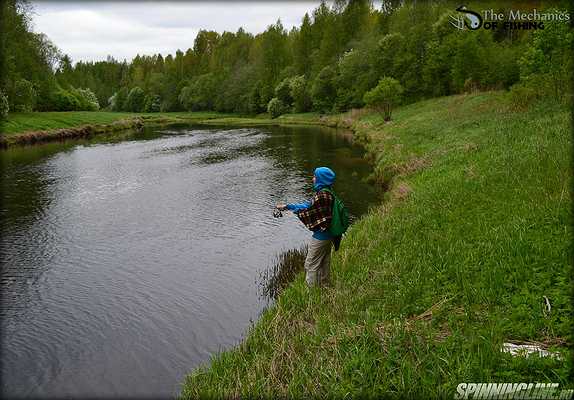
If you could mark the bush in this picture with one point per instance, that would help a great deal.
(276, 107)
(548, 59)
(521, 96)
(387, 94)
(135, 100)
(86, 98)
(283, 92)
(4, 106)
(65, 101)
(118, 101)
(24, 96)
(152, 103)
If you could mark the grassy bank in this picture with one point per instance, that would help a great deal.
(21, 123)
(33, 127)
(474, 233)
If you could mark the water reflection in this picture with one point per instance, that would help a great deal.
(127, 261)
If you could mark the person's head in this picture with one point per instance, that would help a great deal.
(322, 177)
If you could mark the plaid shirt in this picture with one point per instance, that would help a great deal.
(317, 217)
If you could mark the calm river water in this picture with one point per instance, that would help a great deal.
(128, 261)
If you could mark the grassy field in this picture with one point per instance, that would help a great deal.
(474, 233)
(18, 123)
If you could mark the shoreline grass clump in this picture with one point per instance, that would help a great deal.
(463, 256)
(285, 268)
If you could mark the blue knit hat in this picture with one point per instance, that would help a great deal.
(324, 176)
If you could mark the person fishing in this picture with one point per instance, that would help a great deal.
(327, 217)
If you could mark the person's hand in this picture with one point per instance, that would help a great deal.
(281, 206)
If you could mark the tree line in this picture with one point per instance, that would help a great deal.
(344, 55)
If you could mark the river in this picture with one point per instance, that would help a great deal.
(128, 260)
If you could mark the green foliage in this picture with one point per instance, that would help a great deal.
(135, 100)
(152, 103)
(548, 62)
(4, 106)
(300, 94)
(283, 92)
(522, 96)
(324, 90)
(63, 100)
(276, 107)
(198, 95)
(341, 50)
(118, 102)
(385, 96)
(356, 75)
(86, 98)
(24, 98)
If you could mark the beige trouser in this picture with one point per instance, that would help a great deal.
(317, 263)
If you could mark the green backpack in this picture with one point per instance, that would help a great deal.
(340, 220)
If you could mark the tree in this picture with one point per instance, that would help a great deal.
(274, 52)
(385, 96)
(198, 95)
(324, 91)
(548, 60)
(299, 94)
(303, 47)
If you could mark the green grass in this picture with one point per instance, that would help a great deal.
(474, 231)
(18, 123)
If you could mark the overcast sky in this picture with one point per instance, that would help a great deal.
(91, 30)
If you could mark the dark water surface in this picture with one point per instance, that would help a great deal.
(127, 262)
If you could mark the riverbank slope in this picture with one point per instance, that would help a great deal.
(470, 249)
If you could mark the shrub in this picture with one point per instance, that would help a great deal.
(385, 96)
(4, 106)
(135, 100)
(283, 92)
(86, 98)
(522, 96)
(119, 99)
(152, 103)
(548, 59)
(276, 107)
(65, 101)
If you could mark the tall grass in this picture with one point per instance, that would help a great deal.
(474, 231)
(285, 268)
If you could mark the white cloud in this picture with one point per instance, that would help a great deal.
(94, 30)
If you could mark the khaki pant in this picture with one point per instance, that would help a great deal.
(317, 263)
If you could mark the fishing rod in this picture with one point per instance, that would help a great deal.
(277, 213)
